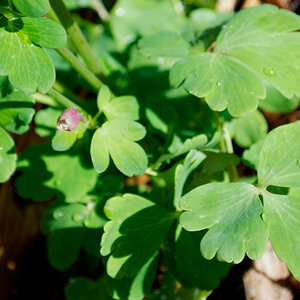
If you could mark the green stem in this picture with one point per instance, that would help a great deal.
(64, 101)
(90, 77)
(44, 99)
(76, 35)
(226, 146)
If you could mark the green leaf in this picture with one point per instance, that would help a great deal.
(232, 214)
(137, 287)
(27, 65)
(65, 216)
(192, 269)
(103, 97)
(16, 112)
(275, 102)
(205, 18)
(8, 156)
(280, 156)
(45, 174)
(85, 288)
(232, 76)
(251, 155)
(63, 247)
(134, 234)
(124, 107)
(282, 215)
(5, 87)
(116, 138)
(196, 142)
(131, 18)
(165, 43)
(253, 34)
(64, 140)
(191, 162)
(223, 81)
(32, 8)
(249, 129)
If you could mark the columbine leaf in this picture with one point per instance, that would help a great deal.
(32, 8)
(282, 215)
(27, 65)
(124, 107)
(47, 173)
(249, 129)
(253, 34)
(192, 268)
(232, 76)
(137, 287)
(224, 81)
(8, 156)
(103, 97)
(134, 234)
(165, 43)
(16, 112)
(232, 213)
(75, 215)
(191, 162)
(116, 138)
(280, 156)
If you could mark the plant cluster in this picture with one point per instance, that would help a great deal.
(143, 167)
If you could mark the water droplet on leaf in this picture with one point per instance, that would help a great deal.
(58, 214)
(120, 12)
(160, 60)
(270, 72)
(219, 83)
(78, 218)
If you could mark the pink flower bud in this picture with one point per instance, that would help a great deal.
(68, 120)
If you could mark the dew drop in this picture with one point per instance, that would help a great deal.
(224, 26)
(87, 223)
(270, 72)
(57, 182)
(58, 214)
(31, 45)
(1, 148)
(219, 83)
(77, 218)
(160, 60)
(120, 12)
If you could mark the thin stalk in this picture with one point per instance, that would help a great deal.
(226, 146)
(101, 10)
(90, 77)
(64, 101)
(76, 35)
(44, 99)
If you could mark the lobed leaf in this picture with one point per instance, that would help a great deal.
(134, 234)
(232, 76)
(45, 174)
(116, 138)
(28, 65)
(232, 214)
(16, 112)
(280, 156)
